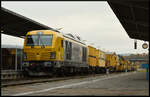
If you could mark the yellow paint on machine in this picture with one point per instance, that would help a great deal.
(129, 66)
(100, 57)
(96, 57)
(121, 66)
(111, 60)
(92, 56)
(39, 53)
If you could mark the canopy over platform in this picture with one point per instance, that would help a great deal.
(17, 25)
(11, 42)
(132, 14)
(134, 17)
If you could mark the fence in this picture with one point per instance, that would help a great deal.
(11, 59)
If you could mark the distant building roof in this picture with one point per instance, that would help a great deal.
(134, 17)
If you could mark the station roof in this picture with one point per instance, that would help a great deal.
(134, 17)
(18, 25)
(132, 14)
(8, 41)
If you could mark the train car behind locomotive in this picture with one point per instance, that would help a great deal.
(112, 61)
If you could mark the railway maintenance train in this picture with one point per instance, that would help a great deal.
(50, 52)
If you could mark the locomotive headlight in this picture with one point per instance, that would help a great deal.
(53, 55)
(25, 56)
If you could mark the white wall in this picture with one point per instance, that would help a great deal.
(8, 41)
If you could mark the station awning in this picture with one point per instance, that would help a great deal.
(18, 25)
(11, 42)
(134, 17)
(132, 14)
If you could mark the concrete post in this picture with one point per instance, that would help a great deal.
(126, 70)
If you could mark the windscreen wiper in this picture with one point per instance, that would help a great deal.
(41, 42)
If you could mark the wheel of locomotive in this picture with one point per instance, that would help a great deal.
(25, 73)
(81, 71)
(60, 71)
(92, 70)
(87, 72)
(74, 71)
(97, 70)
(84, 71)
(67, 71)
(54, 72)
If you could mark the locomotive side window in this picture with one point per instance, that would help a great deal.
(62, 43)
(84, 50)
(66, 46)
(68, 50)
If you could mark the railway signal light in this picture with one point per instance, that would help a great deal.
(135, 44)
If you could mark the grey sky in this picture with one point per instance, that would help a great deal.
(92, 21)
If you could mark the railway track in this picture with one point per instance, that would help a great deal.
(6, 83)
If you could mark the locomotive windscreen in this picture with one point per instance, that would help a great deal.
(39, 40)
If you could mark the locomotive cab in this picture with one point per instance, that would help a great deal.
(43, 48)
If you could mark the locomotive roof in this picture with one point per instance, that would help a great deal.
(110, 53)
(73, 37)
(68, 35)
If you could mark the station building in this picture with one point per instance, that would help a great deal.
(12, 54)
(12, 46)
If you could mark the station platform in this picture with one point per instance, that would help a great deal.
(123, 84)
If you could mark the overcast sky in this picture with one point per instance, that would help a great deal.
(92, 21)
